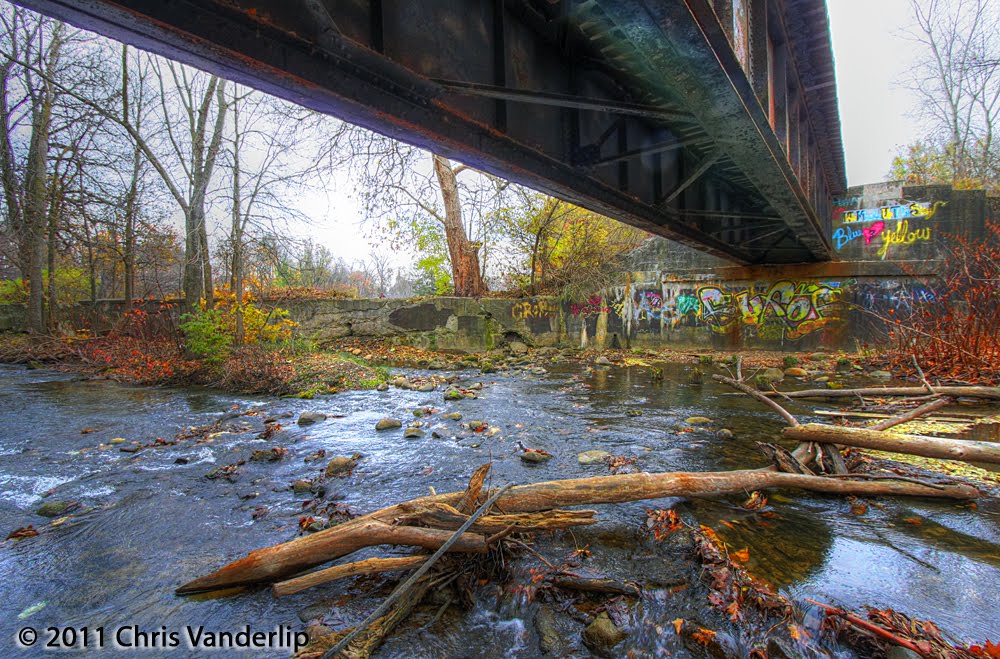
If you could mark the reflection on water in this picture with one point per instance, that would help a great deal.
(151, 520)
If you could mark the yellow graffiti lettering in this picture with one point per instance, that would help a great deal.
(539, 309)
(902, 235)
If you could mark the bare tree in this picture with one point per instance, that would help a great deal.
(957, 81)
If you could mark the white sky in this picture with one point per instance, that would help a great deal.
(872, 57)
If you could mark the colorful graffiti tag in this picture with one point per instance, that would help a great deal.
(878, 230)
(797, 308)
(897, 211)
(592, 307)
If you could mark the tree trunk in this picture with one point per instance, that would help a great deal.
(987, 393)
(464, 256)
(275, 563)
(928, 447)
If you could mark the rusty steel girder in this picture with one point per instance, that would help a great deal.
(653, 113)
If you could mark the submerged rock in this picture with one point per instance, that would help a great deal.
(592, 457)
(413, 432)
(478, 426)
(724, 433)
(881, 375)
(453, 394)
(697, 421)
(602, 634)
(56, 508)
(388, 424)
(452, 416)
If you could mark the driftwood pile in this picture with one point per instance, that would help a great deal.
(431, 522)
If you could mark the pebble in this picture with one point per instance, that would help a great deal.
(592, 457)
(535, 456)
(307, 418)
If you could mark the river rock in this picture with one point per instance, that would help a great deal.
(430, 386)
(899, 652)
(423, 411)
(339, 465)
(697, 421)
(724, 433)
(413, 432)
(309, 418)
(486, 366)
(796, 372)
(518, 348)
(592, 457)
(478, 426)
(453, 394)
(601, 635)
(602, 361)
(436, 366)
(817, 356)
(382, 386)
(537, 370)
(452, 416)
(400, 382)
(388, 424)
(881, 375)
(772, 375)
(302, 486)
(549, 638)
(535, 456)
(56, 508)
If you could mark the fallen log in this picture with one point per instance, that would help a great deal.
(367, 566)
(592, 585)
(442, 516)
(928, 447)
(274, 563)
(986, 393)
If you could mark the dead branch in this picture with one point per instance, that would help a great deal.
(753, 393)
(367, 566)
(985, 393)
(928, 447)
(573, 582)
(915, 413)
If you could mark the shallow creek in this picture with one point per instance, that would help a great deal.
(151, 520)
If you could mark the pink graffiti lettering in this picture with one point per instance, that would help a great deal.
(872, 231)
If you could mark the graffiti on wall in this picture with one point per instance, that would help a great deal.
(793, 308)
(890, 295)
(872, 225)
(785, 309)
(593, 306)
(534, 309)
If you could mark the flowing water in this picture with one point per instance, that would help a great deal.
(151, 520)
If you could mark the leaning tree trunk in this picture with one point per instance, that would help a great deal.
(464, 256)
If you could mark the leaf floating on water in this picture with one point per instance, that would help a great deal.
(23, 532)
(32, 610)
(741, 556)
(703, 636)
(678, 623)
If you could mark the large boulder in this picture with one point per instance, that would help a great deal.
(602, 635)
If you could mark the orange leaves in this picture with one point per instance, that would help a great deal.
(741, 556)
(756, 501)
(678, 623)
(988, 651)
(662, 523)
(703, 636)
(23, 532)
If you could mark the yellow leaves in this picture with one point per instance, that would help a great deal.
(634, 361)
(797, 633)
(756, 501)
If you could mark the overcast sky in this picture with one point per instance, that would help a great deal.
(873, 57)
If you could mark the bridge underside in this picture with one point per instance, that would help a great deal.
(642, 111)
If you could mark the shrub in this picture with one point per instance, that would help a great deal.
(205, 335)
(790, 360)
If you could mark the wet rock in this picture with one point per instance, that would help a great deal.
(822, 378)
(382, 386)
(423, 411)
(778, 649)
(602, 635)
(772, 375)
(388, 424)
(817, 356)
(56, 508)
(695, 375)
(602, 361)
(117, 440)
(309, 418)
(452, 416)
(453, 394)
(592, 457)
(181, 461)
(549, 638)
(269, 454)
(302, 486)
(413, 432)
(724, 433)
(898, 652)
(518, 348)
(844, 365)
(697, 421)
(536, 456)
(430, 386)
(436, 366)
(400, 382)
(340, 465)
(633, 413)
(478, 386)
(487, 366)
(881, 375)
(796, 372)
(478, 426)
(537, 370)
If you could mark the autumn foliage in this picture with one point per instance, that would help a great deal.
(955, 334)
